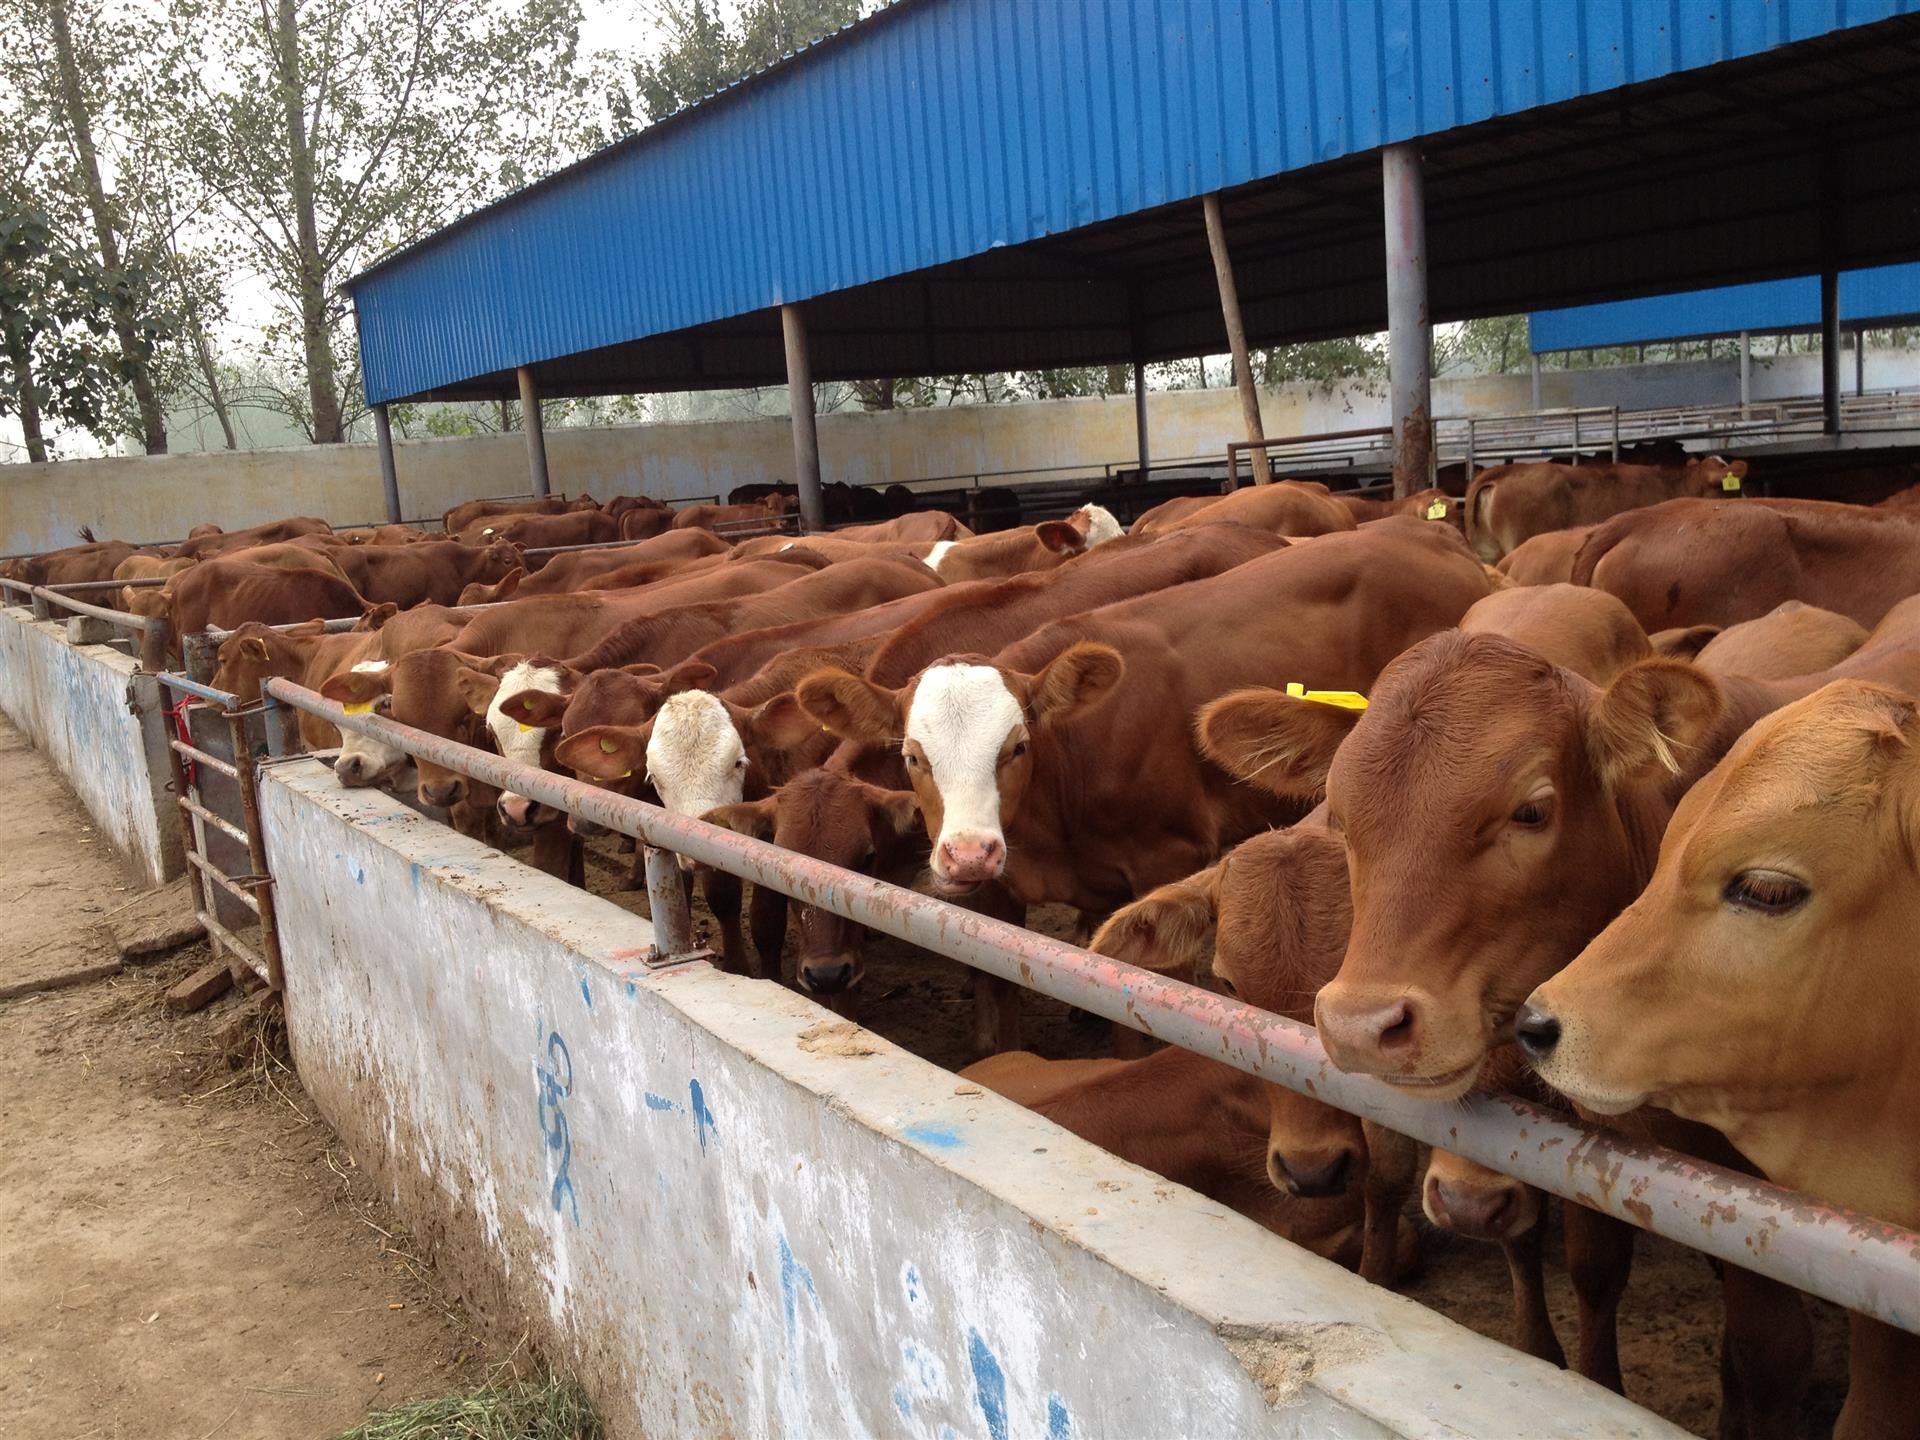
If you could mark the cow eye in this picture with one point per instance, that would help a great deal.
(909, 761)
(1530, 814)
(1766, 891)
(741, 763)
(1019, 749)
(1226, 986)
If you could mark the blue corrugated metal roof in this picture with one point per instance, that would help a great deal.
(1879, 296)
(942, 129)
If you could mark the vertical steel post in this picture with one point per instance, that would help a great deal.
(536, 433)
(1140, 415)
(1830, 350)
(806, 442)
(1860, 361)
(1409, 334)
(389, 478)
(259, 883)
(1746, 373)
(667, 902)
(1236, 335)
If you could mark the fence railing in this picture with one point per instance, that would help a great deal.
(1850, 1259)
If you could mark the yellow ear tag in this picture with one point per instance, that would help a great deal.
(524, 727)
(607, 747)
(1345, 699)
(1729, 482)
(357, 707)
(1437, 510)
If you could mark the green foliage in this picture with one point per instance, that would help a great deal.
(703, 55)
(1322, 362)
(549, 1409)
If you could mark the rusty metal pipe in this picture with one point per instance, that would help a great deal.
(1850, 1259)
(260, 882)
(120, 618)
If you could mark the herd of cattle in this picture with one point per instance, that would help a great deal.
(1605, 776)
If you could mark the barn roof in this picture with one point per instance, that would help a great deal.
(967, 185)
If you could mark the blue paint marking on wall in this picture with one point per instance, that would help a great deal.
(702, 1117)
(940, 1136)
(414, 874)
(555, 1080)
(794, 1277)
(902, 1403)
(910, 1278)
(632, 990)
(661, 1102)
(989, 1386)
(586, 992)
(1059, 1422)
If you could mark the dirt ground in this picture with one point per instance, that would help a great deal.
(187, 1251)
(1669, 1319)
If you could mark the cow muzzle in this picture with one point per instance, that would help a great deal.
(1498, 1210)
(965, 861)
(1311, 1178)
(443, 794)
(1393, 1036)
(829, 974)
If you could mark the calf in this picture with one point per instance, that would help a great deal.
(1791, 639)
(432, 571)
(1071, 774)
(465, 514)
(225, 593)
(1588, 631)
(570, 527)
(1545, 559)
(677, 552)
(768, 511)
(75, 565)
(1764, 983)
(1286, 507)
(1509, 504)
(1040, 547)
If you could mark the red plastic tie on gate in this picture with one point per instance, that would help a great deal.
(177, 713)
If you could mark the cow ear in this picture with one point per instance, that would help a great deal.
(605, 752)
(781, 723)
(541, 709)
(689, 675)
(1684, 643)
(254, 647)
(850, 706)
(509, 583)
(898, 810)
(753, 818)
(1166, 929)
(1279, 742)
(305, 630)
(476, 687)
(376, 617)
(1649, 722)
(640, 669)
(357, 687)
(1060, 537)
(1079, 676)
(1738, 467)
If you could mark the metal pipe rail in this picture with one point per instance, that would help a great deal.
(139, 623)
(1850, 1259)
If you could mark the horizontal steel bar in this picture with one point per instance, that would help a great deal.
(234, 943)
(174, 680)
(202, 757)
(98, 612)
(1850, 1259)
(226, 882)
(220, 822)
(77, 586)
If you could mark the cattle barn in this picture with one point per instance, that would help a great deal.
(1311, 801)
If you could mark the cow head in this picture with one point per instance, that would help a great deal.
(424, 690)
(1497, 812)
(968, 731)
(1085, 528)
(1713, 476)
(476, 593)
(257, 652)
(364, 761)
(699, 751)
(1757, 983)
(843, 821)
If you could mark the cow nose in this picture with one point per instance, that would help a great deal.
(827, 978)
(353, 771)
(1482, 1212)
(1537, 1032)
(516, 810)
(586, 829)
(443, 794)
(1311, 1182)
(969, 859)
(1370, 1037)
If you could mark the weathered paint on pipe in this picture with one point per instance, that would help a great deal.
(1850, 1259)
(1409, 336)
(530, 421)
(389, 477)
(806, 442)
(98, 612)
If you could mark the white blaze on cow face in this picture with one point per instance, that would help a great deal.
(937, 554)
(957, 727)
(364, 761)
(520, 743)
(1101, 526)
(696, 759)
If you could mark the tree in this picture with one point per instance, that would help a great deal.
(329, 131)
(702, 55)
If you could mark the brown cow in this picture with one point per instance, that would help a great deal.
(1790, 639)
(273, 532)
(1588, 631)
(1157, 519)
(1286, 507)
(916, 525)
(1188, 1119)
(1423, 505)
(1509, 504)
(1066, 765)
(1013, 552)
(544, 532)
(1703, 562)
(463, 515)
(145, 565)
(306, 654)
(558, 574)
(768, 511)
(225, 593)
(75, 565)
(433, 571)
(1545, 559)
(828, 546)
(1763, 983)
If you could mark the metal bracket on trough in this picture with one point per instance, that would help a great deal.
(654, 958)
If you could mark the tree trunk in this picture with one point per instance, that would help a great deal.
(1117, 379)
(323, 384)
(29, 405)
(216, 397)
(153, 425)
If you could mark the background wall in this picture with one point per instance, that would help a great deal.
(162, 497)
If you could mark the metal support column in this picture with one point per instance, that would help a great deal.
(1830, 350)
(1860, 361)
(1236, 335)
(806, 442)
(1746, 372)
(1409, 335)
(536, 433)
(389, 478)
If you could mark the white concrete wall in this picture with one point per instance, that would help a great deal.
(726, 1228)
(96, 716)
